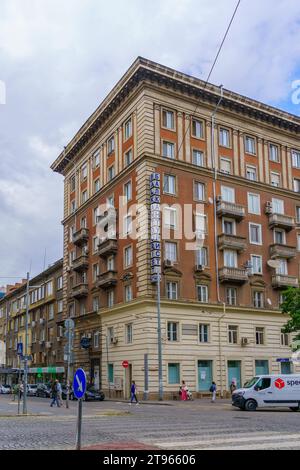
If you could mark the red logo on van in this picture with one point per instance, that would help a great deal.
(279, 383)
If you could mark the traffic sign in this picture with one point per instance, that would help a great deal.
(125, 364)
(20, 349)
(85, 343)
(79, 383)
(69, 324)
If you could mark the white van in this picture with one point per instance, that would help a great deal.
(269, 390)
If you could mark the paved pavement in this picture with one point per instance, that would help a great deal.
(116, 425)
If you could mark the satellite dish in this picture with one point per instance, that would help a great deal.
(273, 263)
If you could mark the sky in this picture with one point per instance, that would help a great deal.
(59, 59)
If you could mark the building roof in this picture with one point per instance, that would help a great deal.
(142, 70)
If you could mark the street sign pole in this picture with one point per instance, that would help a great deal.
(79, 423)
(26, 349)
(79, 388)
(68, 368)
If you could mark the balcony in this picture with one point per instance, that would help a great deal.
(231, 242)
(80, 237)
(81, 263)
(235, 275)
(79, 291)
(107, 280)
(230, 209)
(282, 251)
(107, 247)
(282, 280)
(281, 221)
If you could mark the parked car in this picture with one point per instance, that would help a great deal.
(92, 394)
(43, 390)
(5, 389)
(31, 390)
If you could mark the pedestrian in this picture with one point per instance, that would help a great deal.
(21, 390)
(133, 393)
(15, 391)
(213, 390)
(54, 395)
(232, 387)
(59, 392)
(184, 391)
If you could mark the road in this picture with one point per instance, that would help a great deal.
(174, 426)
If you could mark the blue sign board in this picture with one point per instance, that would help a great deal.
(283, 359)
(20, 349)
(79, 383)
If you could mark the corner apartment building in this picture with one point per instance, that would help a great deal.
(239, 175)
(45, 326)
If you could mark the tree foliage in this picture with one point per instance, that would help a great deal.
(291, 307)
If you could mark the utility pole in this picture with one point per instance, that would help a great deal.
(26, 349)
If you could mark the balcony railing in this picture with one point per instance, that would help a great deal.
(81, 236)
(283, 280)
(282, 251)
(232, 242)
(236, 275)
(107, 247)
(81, 263)
(107, 279)
(230, 209)
(79, 291)
(281, 221)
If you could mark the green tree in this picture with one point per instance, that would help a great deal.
(291, 307)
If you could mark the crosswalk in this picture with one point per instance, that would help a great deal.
(240, 441)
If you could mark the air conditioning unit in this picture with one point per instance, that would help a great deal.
(268, 209)
(244, 341)
(114, 340)
(48, 344)
(168, 262)
(199, 267)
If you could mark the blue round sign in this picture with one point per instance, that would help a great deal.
(79, 383)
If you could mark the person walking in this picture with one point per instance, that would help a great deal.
(133, 393)
(59, 392)
(184, 391)
(54, 395)
(232, 387)
(21, 391)
(213, 390)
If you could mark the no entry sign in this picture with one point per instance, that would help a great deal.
(125, 364)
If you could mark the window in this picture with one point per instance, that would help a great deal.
(110, 263)
(51, 310)
(96, 304)
(227, 194)
(198, 158)
(128, 334)
(172, 331)
(279, 236)
(256, 262)
(259, 335)
(231, 296)
(59, 306)
(49, 289)
(83, 222)
(95, 272)
(258, 299)
(171, 251)
(110, 373)
(128, 157)
(282, 268)
(224, 137)
(111, 172)
(296, 159)
(277, 206)
(168, 150)
(263, 383)
(232, 334)
(197, 129)
(95, 244)
(96, 159)
(110, 145)
(275, 179)
(168, 119)
(229, 226)
(296, 185)
(96, 339)
(127, 224)
(253, 203)
(201, 256)
(230, 259)
(170, 184)
(200, 225)
(298, 214)
(285, 339)
(255, 234)
(172, 290)
(273, 153)
(84, 172)
(225, 165)
(128, 293)
(84, 196)
(128, 191)
(128, 256)
(173, 373)
(202, 293)
(251, 173)
(170, 217)
(199, 191)
(298, 242)
(97, 185)
(110, 298)
(110, 333)
(203, 333)
(72, 183)
(73, 206)
(95, 215)
(110, 201)
(59, 282)
(128, 129)
(250, 145)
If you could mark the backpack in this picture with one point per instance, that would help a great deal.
(212, 388)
